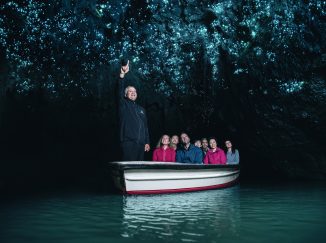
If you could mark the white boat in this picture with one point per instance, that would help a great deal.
(141, 177)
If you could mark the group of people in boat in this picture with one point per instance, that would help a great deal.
(134, 136)
(202, 151)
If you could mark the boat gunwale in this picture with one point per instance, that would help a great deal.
(123, 165)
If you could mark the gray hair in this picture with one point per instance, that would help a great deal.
(127, 88)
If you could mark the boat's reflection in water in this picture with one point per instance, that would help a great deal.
(183, 217)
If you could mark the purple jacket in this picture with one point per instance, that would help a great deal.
(218, 157)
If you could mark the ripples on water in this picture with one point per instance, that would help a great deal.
(187, 216)
(291, 213)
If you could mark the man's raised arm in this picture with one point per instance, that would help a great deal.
(123, 71)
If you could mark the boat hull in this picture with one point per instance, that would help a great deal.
(159, 177)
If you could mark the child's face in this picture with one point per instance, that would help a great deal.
(175, 139)
(198, 143)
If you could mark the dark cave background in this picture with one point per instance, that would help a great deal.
(252, 72)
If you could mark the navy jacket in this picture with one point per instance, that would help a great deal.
(133, 120)
(192, 155)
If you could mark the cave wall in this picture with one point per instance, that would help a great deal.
(249, 71)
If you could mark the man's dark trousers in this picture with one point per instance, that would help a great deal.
(132, 151)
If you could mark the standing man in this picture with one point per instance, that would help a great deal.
(189, 153)
(134, 136)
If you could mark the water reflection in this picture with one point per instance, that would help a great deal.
(183, 217)
(244, 213)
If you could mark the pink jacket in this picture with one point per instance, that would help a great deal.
(218, 157)
(167, 155)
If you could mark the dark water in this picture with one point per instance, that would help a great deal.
(246, 212)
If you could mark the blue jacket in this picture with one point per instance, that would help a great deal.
(192, 155)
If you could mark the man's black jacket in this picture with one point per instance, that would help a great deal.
(133, 120)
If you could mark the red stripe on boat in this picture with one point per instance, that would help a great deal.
(182, 189)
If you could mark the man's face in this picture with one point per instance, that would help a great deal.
(184, 138)
(204, 143)
(132, 94)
